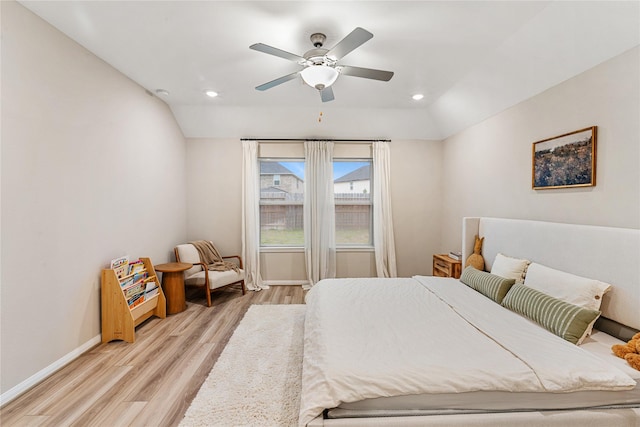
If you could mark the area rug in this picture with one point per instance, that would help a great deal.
(256, 380)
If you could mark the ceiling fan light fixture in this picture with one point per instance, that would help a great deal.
(417, 96)
(211, 93)
(319, 76)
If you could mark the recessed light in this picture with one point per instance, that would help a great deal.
(162, 92)
(418, 96)
(211, 93)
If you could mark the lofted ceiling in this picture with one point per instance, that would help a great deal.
(470, 59)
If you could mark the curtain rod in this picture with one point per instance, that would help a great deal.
(312, 139)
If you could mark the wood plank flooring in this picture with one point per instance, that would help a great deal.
(150, 382)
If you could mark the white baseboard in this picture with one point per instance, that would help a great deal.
(34, 379)
(285, 282)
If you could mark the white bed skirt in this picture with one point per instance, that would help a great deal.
(585, 418)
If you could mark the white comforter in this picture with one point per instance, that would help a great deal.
(367, 338)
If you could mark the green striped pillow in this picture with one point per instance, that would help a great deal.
(566, 320)
(490, 285)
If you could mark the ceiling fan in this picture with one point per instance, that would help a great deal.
(321, 67)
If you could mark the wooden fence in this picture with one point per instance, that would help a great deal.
(282, 211)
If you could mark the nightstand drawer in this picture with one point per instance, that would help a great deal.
(444, 266)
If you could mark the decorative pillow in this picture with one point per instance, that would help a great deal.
(568, 287)
(490, 285)
(511, 268)
(565, 320)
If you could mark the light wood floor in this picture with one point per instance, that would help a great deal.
(150, 382)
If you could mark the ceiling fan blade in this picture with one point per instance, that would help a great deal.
(354, 39)
(326, 94)
(367, 73)
(261, 47)
(278, 81)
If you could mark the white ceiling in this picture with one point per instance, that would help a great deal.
(470, 59)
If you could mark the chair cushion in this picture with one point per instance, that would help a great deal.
(188, 253)
(217, 279)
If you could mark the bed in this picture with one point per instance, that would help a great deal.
(426, 351)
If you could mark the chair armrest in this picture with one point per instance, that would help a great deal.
(235, 256)
(201, 264)
(204, 267)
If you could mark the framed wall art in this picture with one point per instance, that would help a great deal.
(567, 160)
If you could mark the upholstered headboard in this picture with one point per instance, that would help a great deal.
(609, 254)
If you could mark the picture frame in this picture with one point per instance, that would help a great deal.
(564, 161)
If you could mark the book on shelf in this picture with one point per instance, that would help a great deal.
(136, 300)
(120, 266)
(151, 289)
(140, 276)
(134, 284)
(136, 266)
(455, 255)
(134, 290)
(127, 282)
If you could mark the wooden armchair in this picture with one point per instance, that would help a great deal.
(210, 280)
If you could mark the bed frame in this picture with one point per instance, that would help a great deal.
(609, 254)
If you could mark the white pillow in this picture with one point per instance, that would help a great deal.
(510, 268)
(568, 287)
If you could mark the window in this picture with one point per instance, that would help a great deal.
(352, 192)
(282, 199)
(281, 214)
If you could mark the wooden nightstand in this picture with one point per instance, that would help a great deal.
(443, 266)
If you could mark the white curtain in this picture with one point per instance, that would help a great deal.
(383, 242)
(319, 211)
(251, 215)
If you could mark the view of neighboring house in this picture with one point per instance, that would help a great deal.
(281, 205)
(278, 179)
(358, 181)
(281, 197)
(353, 206)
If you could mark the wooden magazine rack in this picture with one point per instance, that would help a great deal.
(119, 319)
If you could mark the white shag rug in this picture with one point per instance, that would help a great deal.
(256, 380)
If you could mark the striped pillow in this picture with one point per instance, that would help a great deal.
(490, 285)
(566, 320)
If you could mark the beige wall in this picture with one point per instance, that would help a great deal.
(487, 168)
(416, 191)
(214, 193)
(214, 207)
(92, 168)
